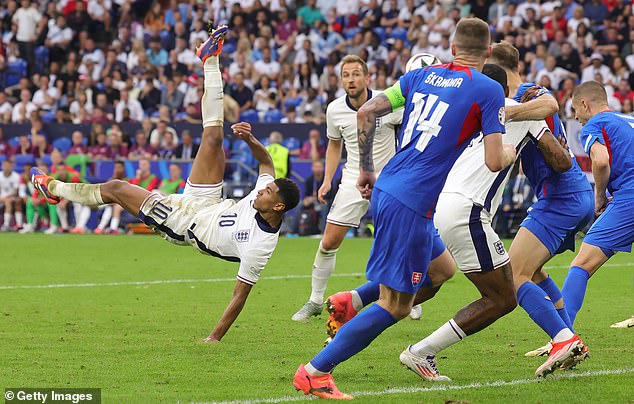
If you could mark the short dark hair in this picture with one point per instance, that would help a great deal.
(505, 55)
(498, 74)
(289, 192)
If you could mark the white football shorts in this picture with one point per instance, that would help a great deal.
(171, 215)
(348, 207)
(466, 230)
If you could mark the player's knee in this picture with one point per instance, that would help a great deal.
(329, 245)
(213, 136)
(112, 187)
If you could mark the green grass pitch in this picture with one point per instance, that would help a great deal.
(141, 342)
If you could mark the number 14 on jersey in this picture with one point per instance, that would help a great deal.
(424, 119)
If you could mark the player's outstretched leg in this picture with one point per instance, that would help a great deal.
(342, 306)
(209, 164)
(129, 196)
(498, 299)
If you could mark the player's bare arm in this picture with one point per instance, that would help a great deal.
(498, 156)
(239, 297)
(242, 130)
(333, 157)
(366, 129)
(601, 173)
(555, 153)
(531, 109)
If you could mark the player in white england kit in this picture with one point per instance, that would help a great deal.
(348, 206)
(464, 213)
(245, 232)
(9, 186)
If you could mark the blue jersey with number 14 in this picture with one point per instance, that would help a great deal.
(445, 107)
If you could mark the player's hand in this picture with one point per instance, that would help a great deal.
(530, 93)
(510, 154)
(323, 190)
(600, 203)
(242, 130)
(562, 141)
(365, 184)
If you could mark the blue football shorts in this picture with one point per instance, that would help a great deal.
(555, 220)
(614, 230)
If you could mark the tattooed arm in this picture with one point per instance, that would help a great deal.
(366, 128)
(555, 153)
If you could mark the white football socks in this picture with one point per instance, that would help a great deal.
(311, 370)
(212, 100)
(323, 267)
(19, 219)
(563, 335)
(445, 336)
(105, 217)
(357, 303)
(86, 194)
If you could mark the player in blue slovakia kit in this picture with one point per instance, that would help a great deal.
(564, 206)
(446, 106)
(608, 137)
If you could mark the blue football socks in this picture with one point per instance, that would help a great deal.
(552, 290)
(574, 290)
(369, 292)
(540, 309)
(353, 337)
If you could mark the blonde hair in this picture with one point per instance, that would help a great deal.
(349, 59)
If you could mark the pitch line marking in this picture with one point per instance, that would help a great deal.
(213, 280)
(441, 387)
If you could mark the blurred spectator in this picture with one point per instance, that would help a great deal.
(40, 146)
(150, 97)
(311, 215)
(175, 183)
(187, 150)
(624, 92)
(171, 97)
(58, 38)
(5, 108)
(22, 110)
(281, 155)
(311, 103)
(267, 66)
(168, 146)
(141, 149)
(241, 93)
(157, 56)
(5, 147)
(596, 67)
(24, 145)
(158, 136)
(100, 150)
(555, 73)
(118, 173)
(312, 149)
(134, 107)
(577, 18)
(9, 186)
(307, 15)
(264, 97)
(78, 146)
(569, 59)
(27, 19)
(116, 148)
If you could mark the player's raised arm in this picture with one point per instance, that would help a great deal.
(531, 108)
(242, 130)
(555, 153)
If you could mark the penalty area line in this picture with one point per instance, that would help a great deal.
(443, 387)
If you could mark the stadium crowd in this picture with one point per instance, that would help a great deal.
(110, 62)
